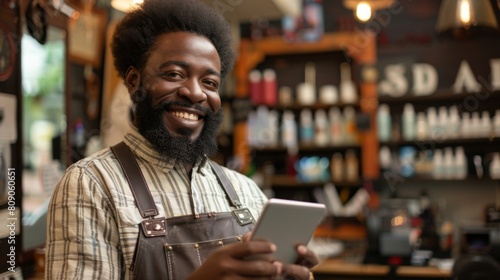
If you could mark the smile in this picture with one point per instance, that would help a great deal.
(185, 115)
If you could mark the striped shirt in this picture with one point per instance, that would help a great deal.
(92, 221)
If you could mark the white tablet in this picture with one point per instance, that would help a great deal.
(288, 223)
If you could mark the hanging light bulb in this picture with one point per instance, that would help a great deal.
(465, 18)
(363, 11)
(464, 12)
(125, 5)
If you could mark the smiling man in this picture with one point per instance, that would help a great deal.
(154, 206)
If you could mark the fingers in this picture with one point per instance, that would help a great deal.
(306, 257)
(297, 272)
(250, 249)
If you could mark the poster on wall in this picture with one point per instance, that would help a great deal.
(8, 125)
(5, 161)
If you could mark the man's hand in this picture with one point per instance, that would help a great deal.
(235, 261)
(301, 269)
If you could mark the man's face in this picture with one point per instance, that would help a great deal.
(180, 89)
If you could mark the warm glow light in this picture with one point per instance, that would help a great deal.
(464, 11)
(125, 5)
(398, 221)
(363, 11)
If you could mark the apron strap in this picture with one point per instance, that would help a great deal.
(226, 184)
(136, 181)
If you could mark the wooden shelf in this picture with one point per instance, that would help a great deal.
(307, 148)
(430, 144)
(313, 107)
(287, 181)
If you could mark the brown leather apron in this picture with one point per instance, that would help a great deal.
(173, 248)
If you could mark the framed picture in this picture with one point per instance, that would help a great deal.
(86, 37)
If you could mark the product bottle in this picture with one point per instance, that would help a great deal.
(432, 122)
(351, 166)
(273, 128)
(408, 122)
(337, 167)
(348, 92)
(288, 130)
(422, 127)
(306, 91)
(454, 123)
(350, 131)
(496, 123)
(465, 128)
(460, 164)
(255, 83)
(384, 124)
(269, 87)
(448, 163)
(495, 166)
(437, 165)
(443, 123)
(306, 127)
(321, 134)
(475, 125)
(336, 129)
(485, 125)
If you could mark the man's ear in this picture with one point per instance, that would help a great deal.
(132, 80)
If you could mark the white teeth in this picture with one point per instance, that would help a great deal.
(185, 115)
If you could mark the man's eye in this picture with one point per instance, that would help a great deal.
(212, 84)
(172, 75)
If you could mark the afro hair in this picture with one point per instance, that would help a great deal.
(135, 35)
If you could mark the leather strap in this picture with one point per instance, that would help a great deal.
(138, 186)
(226, 184)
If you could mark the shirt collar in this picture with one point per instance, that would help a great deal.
(144, 149)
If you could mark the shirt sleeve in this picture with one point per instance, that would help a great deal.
(82, 234)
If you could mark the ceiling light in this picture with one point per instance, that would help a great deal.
(460, 16)
(365, 9)
(125, 5)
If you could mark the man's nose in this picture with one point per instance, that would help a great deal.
(193, 90)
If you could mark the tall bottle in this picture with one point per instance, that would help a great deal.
(348, 91)
(289, 130)
(350, 130)
(384, 124)
(408, 122)
(306, 127)
(336, 130)
(269, 87)
(321, 135)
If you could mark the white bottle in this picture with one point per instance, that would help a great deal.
(495, 166)
(432, 121)
(252, 130)
(348, 92)
(496, 123)
(475, 125)
(454, 123)
(448, 163)
(273, 128)
(384, 125)
(437, 164)
(321, 136)
(460, 164)
(350, 131)
(465, 128)
(289, 130)
(422, 126)
(262, 126)
(485, 125)
(443, 123)
(385, 158)
(336, 130)
(306, 127)
(409, 123)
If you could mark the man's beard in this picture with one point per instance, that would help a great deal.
(149, 121)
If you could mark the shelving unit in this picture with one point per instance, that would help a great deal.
(357, 45)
